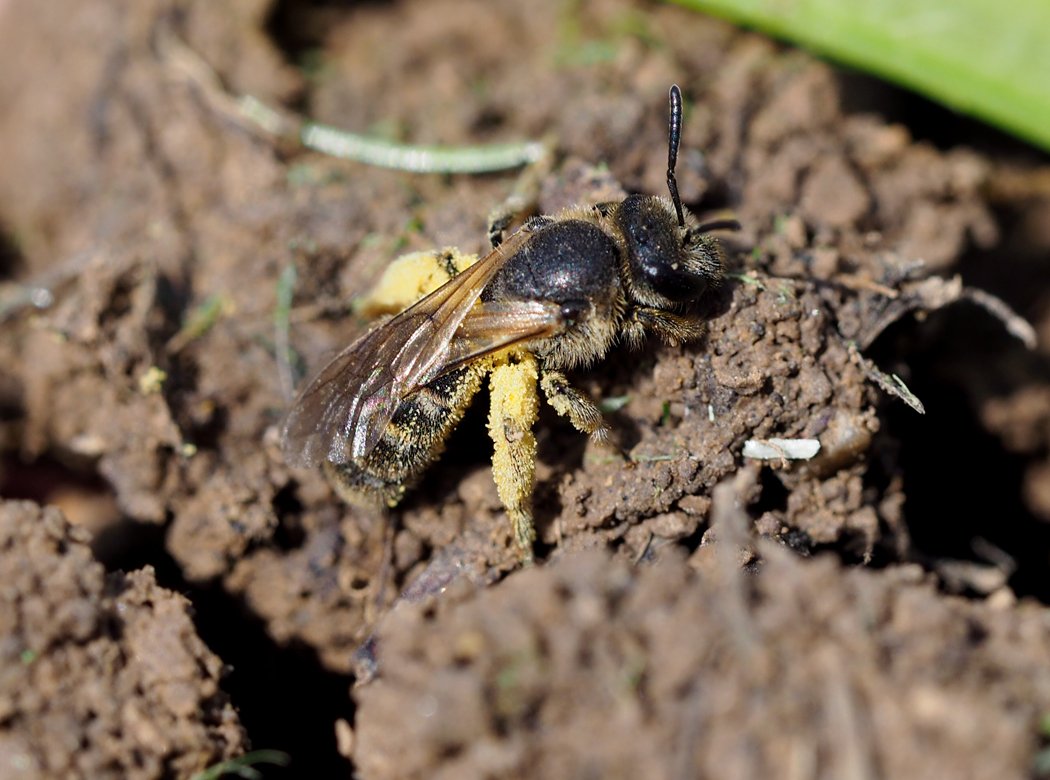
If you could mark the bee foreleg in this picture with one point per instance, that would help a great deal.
(671, 328)
(515, 404)
(569, 402)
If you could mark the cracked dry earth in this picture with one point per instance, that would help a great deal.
(173, 593)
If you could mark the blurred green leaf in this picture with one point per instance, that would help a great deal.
(979, 57)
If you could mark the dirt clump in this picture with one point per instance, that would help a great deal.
(590, 668)
(101, 676)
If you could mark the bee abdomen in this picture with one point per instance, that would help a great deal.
(413, 439)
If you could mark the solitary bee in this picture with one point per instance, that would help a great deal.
(558, 293)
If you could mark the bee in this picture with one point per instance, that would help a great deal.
(560, 292)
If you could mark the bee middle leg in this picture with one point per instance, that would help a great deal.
(515, 405)
(569, 402)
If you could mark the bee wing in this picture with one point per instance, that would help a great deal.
(341, 413)
(494, 325)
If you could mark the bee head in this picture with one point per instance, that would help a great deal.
(667, 264)
(671, 258)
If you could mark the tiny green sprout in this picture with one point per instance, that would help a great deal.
(302, 244)
(311, 63)
(665, 413)
(784, 292)
(282, 315)
(634, 666)
(413, 225)
(372, 240)
(199, 321)
(602, 459)
(512, 680)
(27, 657)
(303, 175)
(749, 279)
(287, 128)
(243, 766)
(782, 288)
(655, 458)
(634, 23)
(907, 395)
(1041, 760)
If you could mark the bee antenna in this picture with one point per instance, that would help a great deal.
(674, 137)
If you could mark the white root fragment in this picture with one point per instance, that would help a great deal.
(781, 449)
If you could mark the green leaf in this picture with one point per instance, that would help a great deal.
(984, 58)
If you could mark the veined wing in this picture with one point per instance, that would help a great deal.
(494, 325)
(341, 413)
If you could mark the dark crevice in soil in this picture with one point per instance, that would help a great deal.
(925, 120)
(70, 482)
(298, 28)
(774, 496)
(467, 448)
(11, 261)
(1016, 270)
(962, 485)
(290, 534)
(264, 678)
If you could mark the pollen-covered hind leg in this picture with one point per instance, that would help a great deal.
(410, 277)
(569, 402)
(515, 404)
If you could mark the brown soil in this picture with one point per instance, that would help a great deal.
(679, 621)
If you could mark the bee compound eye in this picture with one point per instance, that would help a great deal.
(573, 311)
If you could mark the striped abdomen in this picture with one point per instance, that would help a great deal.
(413, 439)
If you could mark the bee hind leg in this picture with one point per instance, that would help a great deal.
(409, 278)
(515, 405)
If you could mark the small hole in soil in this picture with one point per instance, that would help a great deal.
(289, 534)
(11, 262)
(298, 28)
(774, 496)
(961, 485)
(281, 693)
